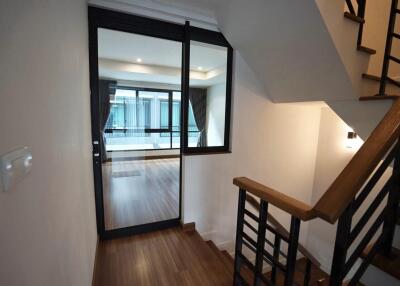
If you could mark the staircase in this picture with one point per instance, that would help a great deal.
(364, 232)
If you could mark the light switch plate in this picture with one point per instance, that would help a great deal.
(14, 166)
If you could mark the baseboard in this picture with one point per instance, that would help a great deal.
(188, 227)
(95, 262)
(228, 245)
(210, 235)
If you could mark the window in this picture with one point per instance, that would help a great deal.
(176, 117)
(135, 120)
(208, 86)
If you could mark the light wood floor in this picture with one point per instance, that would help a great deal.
(167, 257)
(140, 191)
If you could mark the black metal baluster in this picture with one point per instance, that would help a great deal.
(388, 48)
(239, 239)
(351, 7)
(393, 200)
(262, 226)
(292, 251)
(307, 274)
(361, 14)
(277, 247)
(341, 247)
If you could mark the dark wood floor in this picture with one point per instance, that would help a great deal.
(167, 257)
(140, 191)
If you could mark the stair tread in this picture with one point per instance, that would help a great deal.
(354, 18)
(245, 272)
(227, 263)
(371, 77)
(316, 274)
(390, 265)
(366, 50)
(379, 97)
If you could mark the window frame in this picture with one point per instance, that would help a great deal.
(178, 32)
(214, 38)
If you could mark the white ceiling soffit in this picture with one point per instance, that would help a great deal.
(200, 13)
(160, 60)
(118, 70)
(129, 47)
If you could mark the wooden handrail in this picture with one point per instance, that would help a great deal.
(280, 200)
(346, 186)
(344, 189)
(282, 230)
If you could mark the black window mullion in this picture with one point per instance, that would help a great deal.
(185, 86)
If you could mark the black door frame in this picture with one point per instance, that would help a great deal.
(108, 19)
(119, 21)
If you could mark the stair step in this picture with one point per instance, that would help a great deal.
(379, 97)
(371, 77)
(390, 265)
(354, 18)
(227, 264)
(316, 274)
(325, 282)
(366, 50)
(378, 79)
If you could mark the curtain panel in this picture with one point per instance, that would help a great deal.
(107, 89)
(198, 100)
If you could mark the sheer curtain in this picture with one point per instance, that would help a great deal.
(107, 89)
(198, 100)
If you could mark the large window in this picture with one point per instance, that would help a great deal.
(193, 133)
(128, 115)
(133, 112)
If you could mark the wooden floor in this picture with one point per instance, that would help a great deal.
(174, 257)
(140, 191)
(167, 257)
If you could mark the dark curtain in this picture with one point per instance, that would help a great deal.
(107, 88)
(198, 99)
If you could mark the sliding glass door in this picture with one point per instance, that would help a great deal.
(136, 117)
(151, 102)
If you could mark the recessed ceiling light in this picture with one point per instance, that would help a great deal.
(139, 60)
(200, 68)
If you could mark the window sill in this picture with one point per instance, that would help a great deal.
(206, 153)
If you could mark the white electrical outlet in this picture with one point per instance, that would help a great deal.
(14, 166)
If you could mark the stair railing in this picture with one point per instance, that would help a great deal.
(339, 203)
(281, 235)
(388, 57)
(361, 4)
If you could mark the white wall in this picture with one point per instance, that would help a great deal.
(215, 117)
(362, 116)
(272, 143)
(48, 234)
(332, 157)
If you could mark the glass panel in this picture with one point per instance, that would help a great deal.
(176, 119)
(133, 112)
(207, 95)
(138, 76)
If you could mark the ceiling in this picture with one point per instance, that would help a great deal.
(157, 54)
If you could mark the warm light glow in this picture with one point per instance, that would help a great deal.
(353, 141)
(139, 60)
(200, 68)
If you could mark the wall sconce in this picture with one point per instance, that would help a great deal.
(351, 139)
